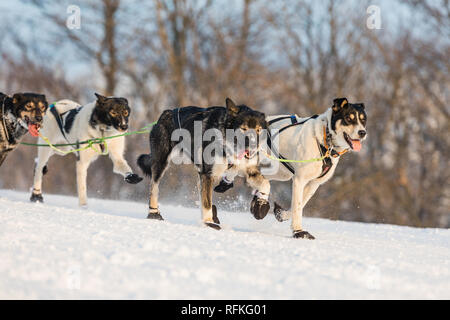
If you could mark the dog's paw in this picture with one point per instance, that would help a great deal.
(155, 216)
(223, 186)
(259, 207)
(213, 225)
(133, 178)
(300, 234)
(280, 213)
(37, 197)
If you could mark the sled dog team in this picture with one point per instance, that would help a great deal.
(304, 150)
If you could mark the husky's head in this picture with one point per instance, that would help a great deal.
(29, 109)
(348, 124)
(111, 112)
(248, 126)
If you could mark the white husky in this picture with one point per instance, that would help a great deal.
(69, 122)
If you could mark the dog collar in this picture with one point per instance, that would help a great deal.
(328, 145)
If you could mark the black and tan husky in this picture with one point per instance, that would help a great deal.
(211, 156)
(21, 113)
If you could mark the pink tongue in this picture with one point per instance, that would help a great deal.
(33, 129)
(242, 154)
(356, 145)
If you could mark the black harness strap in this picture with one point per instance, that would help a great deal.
(296, 123)
(326, 162)
(61, 126)
(277, 155)
(292, 117)
(58, 120)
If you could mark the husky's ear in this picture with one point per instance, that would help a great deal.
(339, 103)
(231, 106)
(16, 98)
(100, 98)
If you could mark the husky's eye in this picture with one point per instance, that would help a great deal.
(350, 117)
(244, 128)
(113, 113)
(125, 113)
(29, 106)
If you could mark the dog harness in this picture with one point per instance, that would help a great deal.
(60, 123)
(5, 129)
(294, 122)
(325, 149)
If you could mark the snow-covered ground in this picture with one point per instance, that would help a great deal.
(56, 250)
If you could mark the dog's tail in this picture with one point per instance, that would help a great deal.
(144, 162)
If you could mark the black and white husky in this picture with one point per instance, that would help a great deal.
(69, 122)
(339, 129)
(242, 127)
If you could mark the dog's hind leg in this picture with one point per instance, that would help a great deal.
(86, 157)
(40, 169)
(158, 165)
(261, 190)
(209, 211)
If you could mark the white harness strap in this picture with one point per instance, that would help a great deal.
(3, 119)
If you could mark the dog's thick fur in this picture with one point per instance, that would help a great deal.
(17, 114)
(346, 123)
(161, 149)
(107, 116)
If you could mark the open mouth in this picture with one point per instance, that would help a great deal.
(355, 144)
(247, 154)
(33, 129)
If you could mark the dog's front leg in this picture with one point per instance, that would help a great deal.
(261, 190)
(298, 192)
(116, 150)
(40, 169)
(82, 167)
(209, 211)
